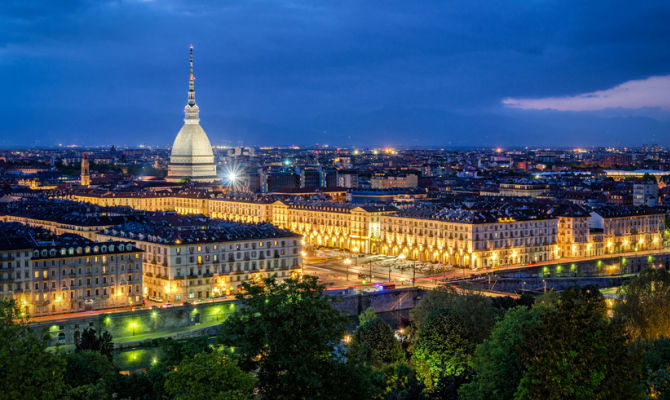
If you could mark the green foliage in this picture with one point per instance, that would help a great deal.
(151, 384)
(374, 344)
(367, 315)
(28, 370)
(443, 348)
(507, 302)
(89, 373)
(209, 376)
(574, 352)
(401, 382)
(174, 351)
(137, 386)
(496, 361)
(644, 307)
(432, 300)
(101, 343)
(288, 332)
(656, 367)
(476, 312)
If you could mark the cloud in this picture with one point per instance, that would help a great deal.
(653, 92)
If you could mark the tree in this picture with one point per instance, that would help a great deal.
(443, 349)
(374, 344)
(28, 370)
(151, 384)
(496, 362)
(367, 315)
(656, 367)
(507, 302)
(401, 382)
(475, 311)
(137, 386)
(101, 343)
(575, 352)
(89, 373)
(288, 332)
(174, 351)
(644, 305)
(209, 376)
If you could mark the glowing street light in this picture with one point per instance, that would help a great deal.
(231, 177)
(133, 325)
(347, 262)
(403, 257)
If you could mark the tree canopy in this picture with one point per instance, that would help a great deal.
(288, 332)
(443, 349)
(496, 363)
(28, 370)
(102, 343)
(209, 376)
(575, 352)
(644, 306)
(373, 343)
(476, 311)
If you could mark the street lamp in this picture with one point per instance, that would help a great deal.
(347, 262)
(402, 256)
(133, 325)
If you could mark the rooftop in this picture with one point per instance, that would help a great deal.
(15, 236)
(171, 229)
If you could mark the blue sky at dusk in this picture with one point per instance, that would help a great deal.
(366, 73)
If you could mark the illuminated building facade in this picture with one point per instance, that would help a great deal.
(394, 181)
(628, 229)
(477, 240)
(16, 268)
(522, 189)
(51, 274)
(85, 179)
(187, 259)
(474, 241)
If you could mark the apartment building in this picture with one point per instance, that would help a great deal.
(468, 238)
(191, 258)
(485, 231)
(51, 274)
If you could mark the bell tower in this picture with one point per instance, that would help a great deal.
(85, 179)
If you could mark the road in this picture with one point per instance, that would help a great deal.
(338, 269)
(330, 267)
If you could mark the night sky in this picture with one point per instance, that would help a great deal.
(366, 73)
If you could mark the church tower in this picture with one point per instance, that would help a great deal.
(191, 158)
(85, 179)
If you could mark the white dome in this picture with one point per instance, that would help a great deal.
(191, 157)
(191, 146)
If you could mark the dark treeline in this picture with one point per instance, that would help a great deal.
(287, 341)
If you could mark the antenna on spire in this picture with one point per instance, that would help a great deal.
(191, 78)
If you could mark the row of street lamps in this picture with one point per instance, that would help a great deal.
(347, 262)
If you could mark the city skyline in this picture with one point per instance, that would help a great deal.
(365, 200)
(279, 74)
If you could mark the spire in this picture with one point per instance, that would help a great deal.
(191, 109)
(191, 81)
